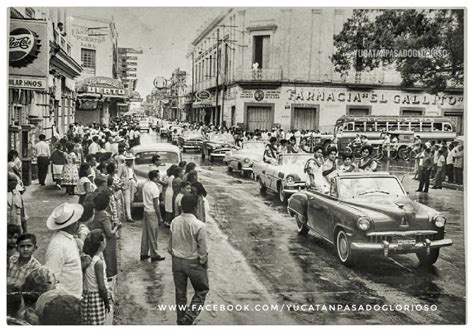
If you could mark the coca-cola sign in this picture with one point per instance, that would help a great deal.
(24, 47)
(203, 95)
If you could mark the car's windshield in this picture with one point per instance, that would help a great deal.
(253, 145)
(294, 158)
(165, 157)
(221, 138)
(366, 187)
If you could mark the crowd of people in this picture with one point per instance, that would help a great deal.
(77, 280)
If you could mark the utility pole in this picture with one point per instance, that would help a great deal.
(217, 79)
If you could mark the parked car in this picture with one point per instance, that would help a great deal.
(169, 155)
(144, 125)
(172, 136)
(164, 128)
(285, 178)
(243, 159)
(217, 146)
(370, 213)
(191, 140)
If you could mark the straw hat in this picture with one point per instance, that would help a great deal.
(64, 215)
(129, 156)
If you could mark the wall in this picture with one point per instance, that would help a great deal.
(82, 37)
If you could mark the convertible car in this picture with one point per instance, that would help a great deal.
(285, 178)
(217, 146)
(243, 159)
(370, 213)
(169, 155)
(191, 140)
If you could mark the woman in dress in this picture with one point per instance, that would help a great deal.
(366, 163)
(70, 171)
(14, 163)
(117, 191)
(329, 169)
(84, 186)
(189, 167)
(58, 159)
(169, 194)
(178, 179)
(347, 165)
(314, 170)
(198, 189)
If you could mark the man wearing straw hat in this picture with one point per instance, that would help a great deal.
(62, 255)
(127, 175)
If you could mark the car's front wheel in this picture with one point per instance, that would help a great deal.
(343, 247)
(302, 227)
(428, 259)
(283, 197)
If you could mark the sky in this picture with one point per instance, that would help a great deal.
(164, 34)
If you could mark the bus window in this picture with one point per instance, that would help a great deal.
(437, 126)
(415, 126)
(360, 126)
(447, 127)
(392, 125)
(381, 125)
(404, 126)
(348, 126)
(427, 126)
(370, 126)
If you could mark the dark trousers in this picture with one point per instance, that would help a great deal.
(43, 163)
(450, 172)
(458, 176)
(439, 177)
(424, 177)
(184, 269)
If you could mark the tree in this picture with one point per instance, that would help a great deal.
(425, 46)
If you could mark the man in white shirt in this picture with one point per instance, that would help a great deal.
(151, 218)
(108, 144)
(42, 154)
(188, 248)
(94, 146)
(450, 164)
(62, 255)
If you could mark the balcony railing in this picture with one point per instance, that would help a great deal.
(60, 40)
(261, 74)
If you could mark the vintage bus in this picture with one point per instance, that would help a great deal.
(428, 128)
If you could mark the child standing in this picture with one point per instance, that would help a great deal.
(185, 188)
(14, 232)
(20, 266)
(95, 297)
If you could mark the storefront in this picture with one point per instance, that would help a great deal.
(318, 108)
(28, 87)
(99, 99)
(204, 108)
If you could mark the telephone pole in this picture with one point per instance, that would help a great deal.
(217, 80)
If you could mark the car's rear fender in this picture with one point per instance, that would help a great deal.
(298, 204)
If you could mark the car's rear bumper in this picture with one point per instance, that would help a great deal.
(386, 247)
(298, 186)
(218, 154)
(191, 146)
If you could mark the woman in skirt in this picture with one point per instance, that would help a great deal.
(95, 296)
(117, 191)
(70, 170)
(58, 160)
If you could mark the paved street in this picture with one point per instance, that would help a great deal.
(257, 257)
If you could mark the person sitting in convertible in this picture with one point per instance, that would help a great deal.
(270, 155)
(348, 165)
(314, 170)
(293, 147)
(366, 163)
(330, 164)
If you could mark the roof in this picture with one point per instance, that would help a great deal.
(165, 147)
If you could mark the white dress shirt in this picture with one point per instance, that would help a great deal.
(42, 149)
(62, 258)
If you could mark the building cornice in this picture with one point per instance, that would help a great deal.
(211, 26)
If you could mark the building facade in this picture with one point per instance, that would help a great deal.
(265, 67)
(99, 91)
(128, 66)
(42, 72)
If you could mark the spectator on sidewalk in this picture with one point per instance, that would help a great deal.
(151, 218)
(450, 163)
(16, 211)
(14, 163)
(62, 310)
(13, 232)
(20, 266)
(42, 154)
(425, 165)
(188, 248)
(58, 160)
(62, 256)
(440, 169)
(459, 165)
(70, 170)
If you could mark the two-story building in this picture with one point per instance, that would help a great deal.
(99, 91)
(266, 67)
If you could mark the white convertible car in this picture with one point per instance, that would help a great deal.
(285, 177)
(243, 159)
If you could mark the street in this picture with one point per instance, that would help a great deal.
(257, 258)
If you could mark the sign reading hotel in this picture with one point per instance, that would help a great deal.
(327, 95)
(87, 36)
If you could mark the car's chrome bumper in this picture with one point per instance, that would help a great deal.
(217, 154)
(247, 169)
(191, 147)
(294, 188)
(386, 247)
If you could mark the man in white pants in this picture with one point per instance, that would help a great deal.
(127, 175)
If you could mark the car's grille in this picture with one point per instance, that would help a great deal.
(390, 238)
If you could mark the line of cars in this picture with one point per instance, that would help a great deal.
(361, 214)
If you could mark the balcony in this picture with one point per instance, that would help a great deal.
(257, 75)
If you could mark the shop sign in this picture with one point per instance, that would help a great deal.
(28, 48)
(85, 35)
(203, 95)
(106, 91)
(260, 95)
(24, 82)
(160, 82)
(387, 97)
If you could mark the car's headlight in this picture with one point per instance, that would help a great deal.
(439, 221)
(363, 223)
(290, 179)
(246, 160)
